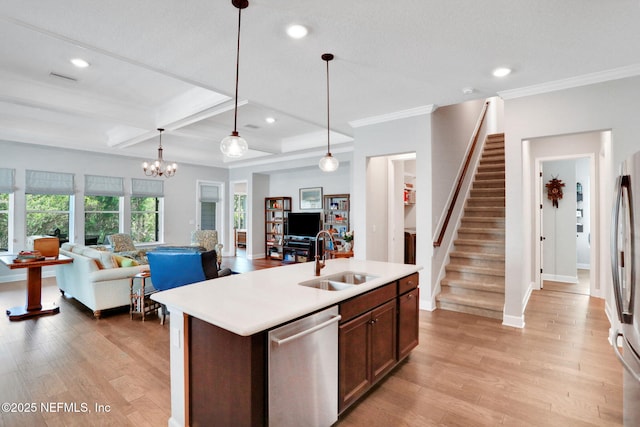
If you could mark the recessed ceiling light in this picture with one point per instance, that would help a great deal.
(468, 90)
(501, 72)
(270, 120)
(79, 62)
(297, 31)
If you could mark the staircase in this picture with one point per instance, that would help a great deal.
(474, 278)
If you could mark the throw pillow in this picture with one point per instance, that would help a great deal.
(210, 264)
(124, 261)
(128, 262)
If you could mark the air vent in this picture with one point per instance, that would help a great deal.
(62, 76)
(250, 126)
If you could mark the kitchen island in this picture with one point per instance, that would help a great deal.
(218, 331)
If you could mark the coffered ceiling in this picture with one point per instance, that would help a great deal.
(171, 64)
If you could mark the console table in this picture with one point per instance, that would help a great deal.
(34, 305)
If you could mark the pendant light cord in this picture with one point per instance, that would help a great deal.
(328, 127)
(235, 114)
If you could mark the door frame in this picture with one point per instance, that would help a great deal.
(594, 210)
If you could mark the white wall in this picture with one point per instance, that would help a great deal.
(180, 191)
(451, 131)
(610, 105)
(289, 183)
(406, 135)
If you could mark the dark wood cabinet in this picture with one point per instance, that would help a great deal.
(378, 330)
(408, 322)
(354, 365)
(383, 340)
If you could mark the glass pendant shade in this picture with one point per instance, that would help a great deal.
(328, 163)
(234, 145)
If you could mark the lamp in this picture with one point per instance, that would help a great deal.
(328, 163)
(158, 167)
(234, 145)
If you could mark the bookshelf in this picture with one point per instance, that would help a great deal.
(336, 214)
(276, 210)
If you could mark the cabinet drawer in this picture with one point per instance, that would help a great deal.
(355, 306)
(407, 283)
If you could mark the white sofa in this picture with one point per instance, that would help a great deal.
(95, 278)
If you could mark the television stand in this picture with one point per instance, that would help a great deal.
(298, 249)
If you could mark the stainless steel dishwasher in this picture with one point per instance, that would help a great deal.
(303, 371)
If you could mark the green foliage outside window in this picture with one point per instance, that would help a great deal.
(144, 219)
(47, 213)
(240, 211)
(4, 222)
(101, 217)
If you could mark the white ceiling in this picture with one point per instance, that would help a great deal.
(171, 64)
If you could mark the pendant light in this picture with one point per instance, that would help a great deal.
(234, 145)
(159, 167)
(328, 163)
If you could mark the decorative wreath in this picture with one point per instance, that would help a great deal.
(554, 190)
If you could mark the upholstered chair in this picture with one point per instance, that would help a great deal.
(208, 239)
(121, 242)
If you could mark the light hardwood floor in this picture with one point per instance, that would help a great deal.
(467, 371)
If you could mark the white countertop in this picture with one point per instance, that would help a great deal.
(252, 302)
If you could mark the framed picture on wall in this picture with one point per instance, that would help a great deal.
(311, 198)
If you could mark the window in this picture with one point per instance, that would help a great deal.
(48, 214)
(102, 207)
(240, 211)
(146, 210)
(4, 222)
(7, 185)
(49, 197)
(209, 205)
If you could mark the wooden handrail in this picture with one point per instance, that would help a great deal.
(463, 173)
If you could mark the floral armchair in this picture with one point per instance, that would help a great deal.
(122, 244)
(208, 239)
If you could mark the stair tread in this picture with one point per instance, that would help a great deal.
(477, 255)
(472, 269)
(461, 286)
(476, 242)
(487, 300)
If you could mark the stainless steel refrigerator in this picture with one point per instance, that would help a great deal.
(625, 263)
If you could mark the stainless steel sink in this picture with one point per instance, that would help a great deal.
(351, 277)
(338, 281)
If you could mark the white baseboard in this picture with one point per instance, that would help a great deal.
(256, 256)
(560, 278)
(513, 321)
(427, 305)
(19, 276)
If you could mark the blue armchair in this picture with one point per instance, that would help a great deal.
(171, 269)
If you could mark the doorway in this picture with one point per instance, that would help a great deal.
(240, 196)
(587, 155)
(566, 225)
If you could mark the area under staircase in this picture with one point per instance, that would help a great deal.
(474, 277)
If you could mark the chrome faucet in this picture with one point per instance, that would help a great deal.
(320, 265)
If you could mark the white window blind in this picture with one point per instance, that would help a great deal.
(209, 193)
(7, 180)
(147, 188)
(95, 185)
(40, 182)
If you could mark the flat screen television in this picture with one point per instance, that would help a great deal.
(303, 224)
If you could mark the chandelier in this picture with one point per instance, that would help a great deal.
(159, 167)
(234, 145)
(328, 163)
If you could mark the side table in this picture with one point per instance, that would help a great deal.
(141, 303)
